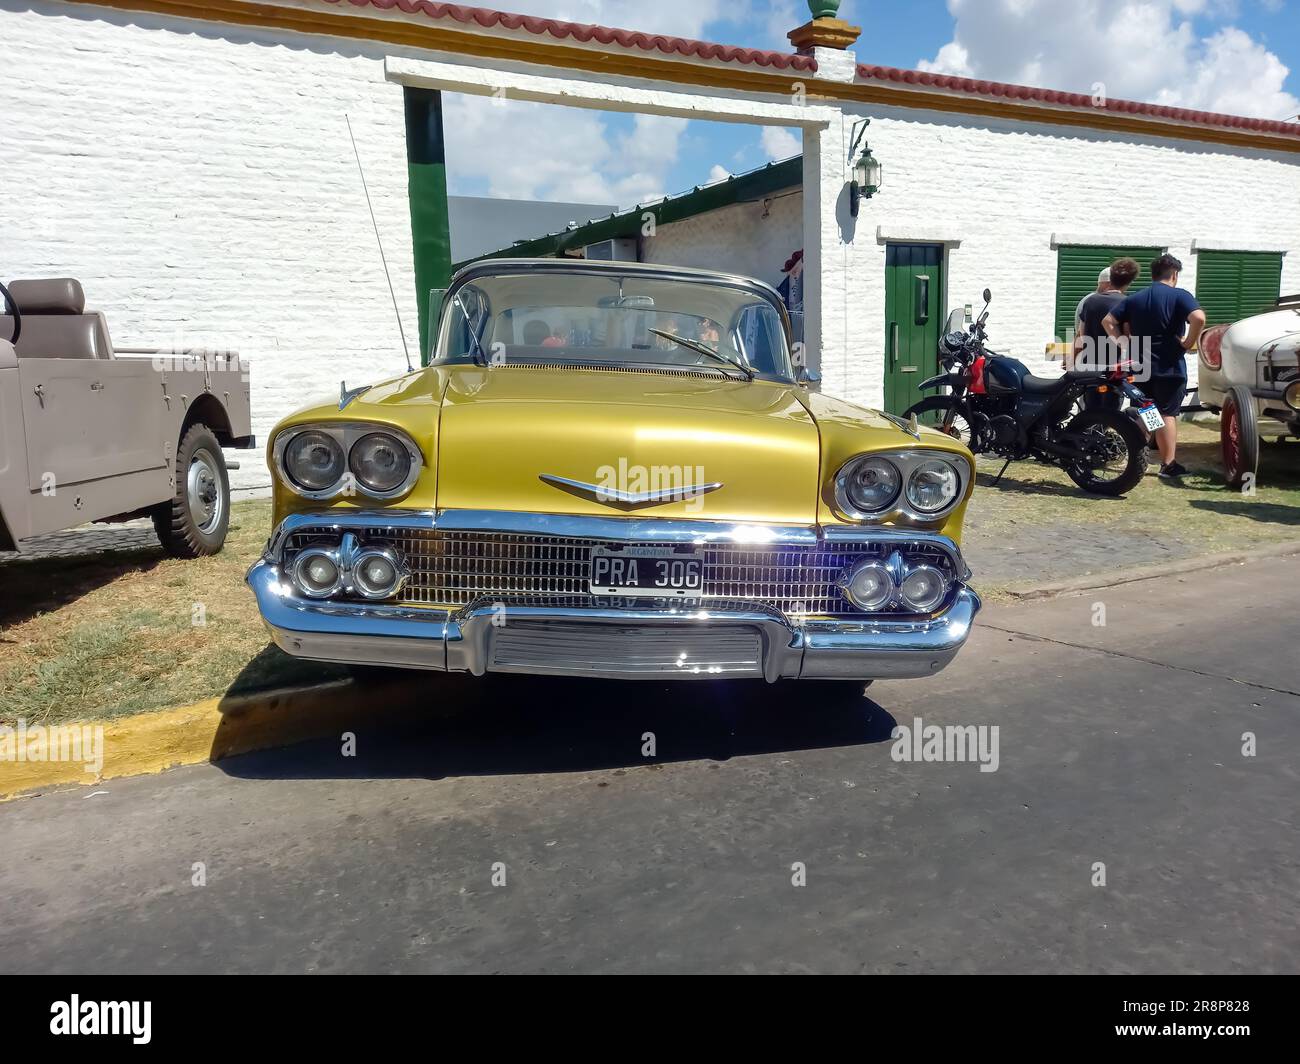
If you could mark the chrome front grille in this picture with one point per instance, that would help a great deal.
(454, 568)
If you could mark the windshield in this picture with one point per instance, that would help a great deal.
(956, 321)
(611, 319)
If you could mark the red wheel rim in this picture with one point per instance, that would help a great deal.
(1231, 436)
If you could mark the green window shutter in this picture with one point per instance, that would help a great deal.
(1077, 266)
(1231, 285)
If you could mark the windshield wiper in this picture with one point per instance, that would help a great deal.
(705, 349)
(480, 356)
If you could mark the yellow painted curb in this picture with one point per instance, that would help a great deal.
(206, 731)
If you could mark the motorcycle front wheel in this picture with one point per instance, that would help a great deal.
(1116, 453)
(953, 417)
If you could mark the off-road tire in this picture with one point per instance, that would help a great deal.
(180, 524)
(1136, 466)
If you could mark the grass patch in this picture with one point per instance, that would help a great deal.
(1036, 519)
(118, 632)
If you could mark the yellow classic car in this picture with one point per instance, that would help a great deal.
(614, 470)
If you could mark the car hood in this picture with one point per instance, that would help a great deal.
(502, 430)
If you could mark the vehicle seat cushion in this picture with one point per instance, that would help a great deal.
(60, 336)
(54, 295)
(1041, 385)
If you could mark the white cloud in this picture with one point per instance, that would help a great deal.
(780, 143)
(522, 150)
(718, 173)
(1131, 49)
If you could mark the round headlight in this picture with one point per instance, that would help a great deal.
(923, 588)
(377, 574)
(380, 462)
(314, 460)
(869, 485)
(869, 586)
(1292, 395)
(316, 573)
(933, 486)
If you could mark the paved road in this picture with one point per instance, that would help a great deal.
(1129, 755)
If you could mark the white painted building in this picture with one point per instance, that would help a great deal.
(191, 165)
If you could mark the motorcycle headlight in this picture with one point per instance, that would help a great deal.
(313, 460)
(381, 462)
(933, 486)
(867, 485)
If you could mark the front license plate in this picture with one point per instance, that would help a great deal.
(1152, 418)
(657, 572)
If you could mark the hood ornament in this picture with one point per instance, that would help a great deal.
(346, 394)
(628, 500)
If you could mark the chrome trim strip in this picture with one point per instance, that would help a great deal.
(623, 529)
(613, 497)
(368, 633)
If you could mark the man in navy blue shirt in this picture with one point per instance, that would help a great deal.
(1167, 321)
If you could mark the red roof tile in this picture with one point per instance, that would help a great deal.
(1056, 98)
(487, 19)
(579, 31)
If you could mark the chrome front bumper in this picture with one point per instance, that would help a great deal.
(724, 640)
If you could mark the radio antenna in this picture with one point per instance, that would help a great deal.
(382, 258)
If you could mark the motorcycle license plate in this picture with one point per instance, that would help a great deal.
(658, 572)
(1152, 418)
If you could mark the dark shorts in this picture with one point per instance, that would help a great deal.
(1167, 393)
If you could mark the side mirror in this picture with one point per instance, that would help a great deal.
(807, 375)
(988, 296)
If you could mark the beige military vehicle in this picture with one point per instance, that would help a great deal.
(89, 432)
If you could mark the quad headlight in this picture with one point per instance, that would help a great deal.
(869, 485)
(313, 460)
(380, 462)
(893, 584)
(347, 568)
(933, 486)
(922, 485)
(324, 461)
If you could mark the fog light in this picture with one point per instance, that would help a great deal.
(869, 586)
(923, 588)
(378, 573)
(1292, 395)
(316, 573)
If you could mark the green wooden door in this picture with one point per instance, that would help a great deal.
(1231, 285)
(913, 319)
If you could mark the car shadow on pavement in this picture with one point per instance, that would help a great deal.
(503, 724)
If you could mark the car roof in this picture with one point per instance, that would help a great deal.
(480, 267)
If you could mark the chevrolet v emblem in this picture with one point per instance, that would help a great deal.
(628, 500)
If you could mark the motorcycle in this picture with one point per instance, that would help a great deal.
(996, 406)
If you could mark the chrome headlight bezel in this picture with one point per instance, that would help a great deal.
(907, 462)
(347, 435)
(845, 475)
(916, 470)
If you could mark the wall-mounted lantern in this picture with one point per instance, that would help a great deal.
(868, 174)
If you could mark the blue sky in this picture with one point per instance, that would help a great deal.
(1238, 56)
